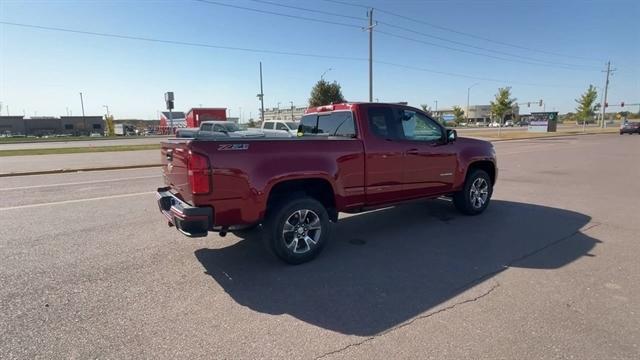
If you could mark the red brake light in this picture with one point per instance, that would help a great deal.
(199, 173)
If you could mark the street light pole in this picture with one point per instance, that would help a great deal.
(261, 96)
(468, 95)
(323, 74)
(291, 102)
(84, 120)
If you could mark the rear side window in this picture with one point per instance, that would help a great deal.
(333, 124)
(382, 122)
(268, 125)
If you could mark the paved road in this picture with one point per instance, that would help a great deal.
(83, 143)
(89, 270)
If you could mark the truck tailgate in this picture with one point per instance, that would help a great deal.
(175, 153)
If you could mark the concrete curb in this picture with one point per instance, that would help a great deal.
(62, 171)
(548, 137)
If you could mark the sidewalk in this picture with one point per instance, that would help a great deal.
(43, 163)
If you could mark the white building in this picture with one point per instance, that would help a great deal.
(285, 114)
(482, 113)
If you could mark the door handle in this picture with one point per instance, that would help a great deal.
(412, 152)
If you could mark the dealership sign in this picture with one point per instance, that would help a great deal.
(543, 121)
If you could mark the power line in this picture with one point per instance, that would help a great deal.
(477, 36)
(482, 48)
(529, 60)
(177, 42)
(263, 51)
(279, 14)
(315, 11)
(416, 68)
(472, 52)
(348, 4)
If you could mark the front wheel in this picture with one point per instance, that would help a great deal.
(297, 229)
(476, 193)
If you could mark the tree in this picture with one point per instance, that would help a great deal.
(252, 123)
(503, 103)
(458, 113)
(586, 104)
(426, 109)
(325, 93)
(110, 126)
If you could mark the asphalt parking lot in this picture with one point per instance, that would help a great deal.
(90, 270)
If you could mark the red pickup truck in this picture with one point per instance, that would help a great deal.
(348, 157)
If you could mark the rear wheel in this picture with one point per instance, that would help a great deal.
(297, 229)
(474, 198)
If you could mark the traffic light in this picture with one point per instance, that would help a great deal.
(540, 104)
(622, 104)
(606, 104)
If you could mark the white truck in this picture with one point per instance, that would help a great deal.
(278, 128)
(226, 129)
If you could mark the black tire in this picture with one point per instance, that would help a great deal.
(465, 201)
(308, 229)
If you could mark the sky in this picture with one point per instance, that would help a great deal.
(433, 51)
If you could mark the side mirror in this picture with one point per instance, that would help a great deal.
(452, 135)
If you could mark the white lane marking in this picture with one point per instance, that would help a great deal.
(81, 182)
(76, 201)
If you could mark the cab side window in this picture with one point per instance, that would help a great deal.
(281, 126)
(418, 127)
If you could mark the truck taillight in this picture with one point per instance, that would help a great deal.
(199, 173)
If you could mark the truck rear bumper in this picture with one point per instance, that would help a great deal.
(190, 220)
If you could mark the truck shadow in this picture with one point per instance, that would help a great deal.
(385, 267)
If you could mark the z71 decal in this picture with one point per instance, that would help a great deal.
(225, 147)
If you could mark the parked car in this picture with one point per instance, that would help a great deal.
(349, 157)
(279, 128)
(508, 123)
(494, 124)
(630, 128)
(225, 129)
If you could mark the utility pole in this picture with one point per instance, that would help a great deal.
(606, 89)
(84, 120)
(370, 29)
(106, 107)
(261, 96)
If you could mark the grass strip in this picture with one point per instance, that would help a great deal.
(78, 150)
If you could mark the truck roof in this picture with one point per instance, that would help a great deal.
(345, 106)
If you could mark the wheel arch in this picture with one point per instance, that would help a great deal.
(317, 188)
